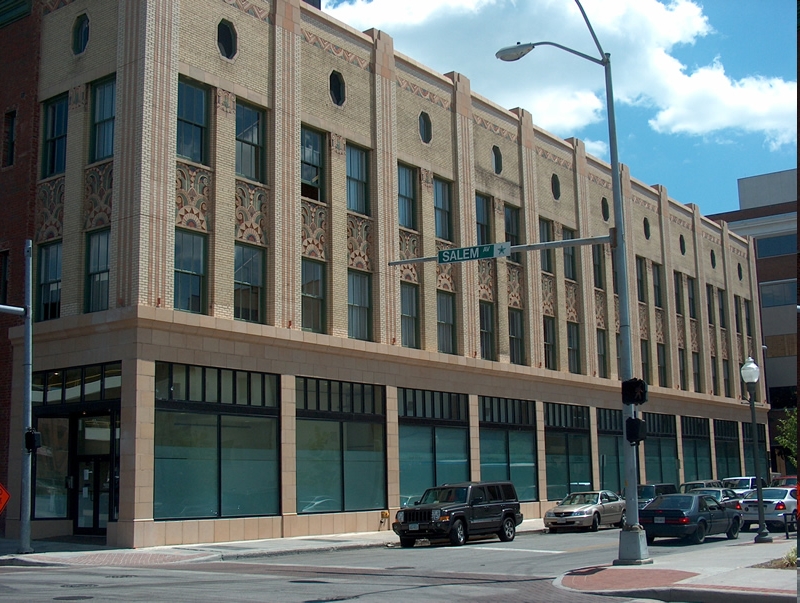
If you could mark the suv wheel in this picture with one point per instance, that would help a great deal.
(458, 533)
(508, 530)
(407, 543)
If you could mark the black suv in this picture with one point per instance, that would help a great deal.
(648, 492)
(458, 511)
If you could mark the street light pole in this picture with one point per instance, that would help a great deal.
(750, 374)
(632, 539)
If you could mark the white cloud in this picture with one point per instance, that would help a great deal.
(598, 148)
(566, 94)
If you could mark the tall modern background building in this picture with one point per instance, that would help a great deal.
(768, 213)
(214, 190)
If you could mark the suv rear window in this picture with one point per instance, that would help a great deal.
(509, 492)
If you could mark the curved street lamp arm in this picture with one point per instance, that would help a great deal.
(573, 51)
(591, 29)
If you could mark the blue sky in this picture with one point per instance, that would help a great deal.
(706, 90)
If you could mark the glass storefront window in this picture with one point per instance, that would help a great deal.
(250, 467)
(568, 463)
(364, 466)
(417, 467)
(319, 466)
(52, 468)
(452, 455)
(185, 481)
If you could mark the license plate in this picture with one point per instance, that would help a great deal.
(413, 527)
(658, 520)
(561, 520)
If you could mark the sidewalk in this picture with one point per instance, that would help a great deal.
(689, 575)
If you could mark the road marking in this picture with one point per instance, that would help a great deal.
(504, 549)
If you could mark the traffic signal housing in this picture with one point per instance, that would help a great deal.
(635, 430)
(634, 391)
(33, 440)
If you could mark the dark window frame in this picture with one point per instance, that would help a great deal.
(54, 153)
(250, 142)
(191, 274)
(407, 196)
(312, 164)
(249, 282)
(193, 122)
(98, 270)
(103, 122)
(313, 304)
(357, 168)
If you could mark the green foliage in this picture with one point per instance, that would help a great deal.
(787, 432)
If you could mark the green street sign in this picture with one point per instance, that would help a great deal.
(478, 252)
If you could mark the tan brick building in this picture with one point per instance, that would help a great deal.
(222, 351)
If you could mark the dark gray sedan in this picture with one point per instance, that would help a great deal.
(690, 516)
(724, 496)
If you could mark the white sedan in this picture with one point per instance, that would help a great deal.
(777, 502)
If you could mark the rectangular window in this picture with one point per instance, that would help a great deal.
(691, 291)
(50, 281)
(726, 377)
(748, 318)
(406, 197)
(192, 122)
(486, 310)
(682, 368)
(483, 215)
(602, 354)
(509, 454)
(710, 303)
(714, 376)
(570, 265)
(678, 293)
(778, 294)
(311, 165)
(190, 272)
(9, 137)
(97, 271)
(358, 305)
(4, 277)
(641, 270)
(313, 296)
(574, 347)
(248, 283)
(768, 247)
(409, 315)
(545, 236)
(446, 322)
(645, 348)
(55, 137)
(599, 266)
(661, 361)
(250, 142)
(696, 372)
(441, 204)
(549, 336)
(516, 336)
(512, 230)
(104, 100)
(657, 286)
(737, 313)
(357, 181)
(431, 455)
(723, 315)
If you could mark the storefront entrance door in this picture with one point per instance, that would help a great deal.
(94, 479)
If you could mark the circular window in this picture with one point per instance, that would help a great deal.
(682, 243)
(646, 228)
(497, 159)
(425, 130)
(604, 208)
(337, 88)
(555, 185)
(80, 34)
(713, 259)
(226, 39)
(739, 270)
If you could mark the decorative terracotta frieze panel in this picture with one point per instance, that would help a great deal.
(723, 337)
(644, 330)
(573, 302)
(515, 286)
(616, 312)
(259, 12)
(337, 51)
(712, 341)
(359, 242)
(421, 92)
(740, 349)
(252, 209)
(314, 230)
(50, 209)
(192, 197)
(98, 184)
(660, 325)
(226, 102)
(409, 248)
(486, 280)
(600, 314)
(548, 294)
(694, 334)
(445, 279)
(681, 332)
(338, 144)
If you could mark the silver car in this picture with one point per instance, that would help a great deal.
(777, 502)
(587, 510)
